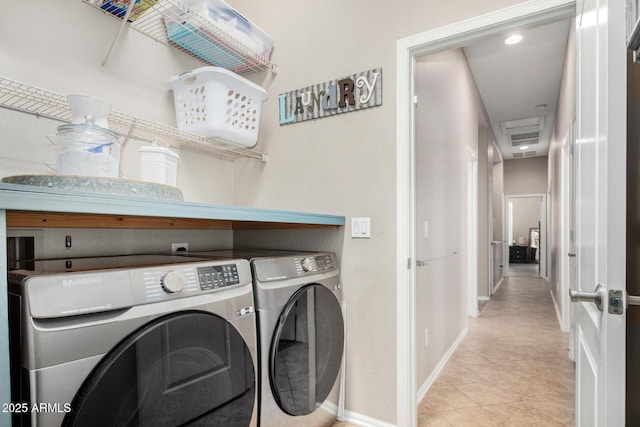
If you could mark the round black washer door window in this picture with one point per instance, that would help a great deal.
(306, 350)
(187, 368)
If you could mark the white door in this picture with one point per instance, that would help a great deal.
(601, 193)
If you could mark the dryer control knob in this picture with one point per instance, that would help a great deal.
(172, 282)
(307, 264)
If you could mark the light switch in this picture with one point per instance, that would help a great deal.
(361, 228)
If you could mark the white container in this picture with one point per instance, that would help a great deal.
(159, 164)
(235, 24)
(218, 103)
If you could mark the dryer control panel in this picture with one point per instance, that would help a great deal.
(283, 268)
(314, 264)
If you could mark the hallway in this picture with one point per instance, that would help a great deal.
(511, 369)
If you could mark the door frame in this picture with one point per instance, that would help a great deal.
(407, 49)
(567, 240)
(542, 215)
(472, 234)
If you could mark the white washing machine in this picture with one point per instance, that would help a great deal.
(144, 340)
(301, 334)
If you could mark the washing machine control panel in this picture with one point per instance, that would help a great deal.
(314, 264)
(218, 276)
(172, 282)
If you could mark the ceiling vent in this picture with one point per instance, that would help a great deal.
(524, 131)
(521, 155)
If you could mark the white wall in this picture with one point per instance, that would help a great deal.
(340, 165)
(345, 164)
(446, 124)
(526, 214)
(525, 176)
(498, 200)
(485, 175)
(564, 121)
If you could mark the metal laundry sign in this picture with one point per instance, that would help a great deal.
(343, 95)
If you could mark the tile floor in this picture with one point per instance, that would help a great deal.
(524, 270)
(510, 370)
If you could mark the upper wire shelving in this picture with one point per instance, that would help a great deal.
(25, 98)
(214, 45)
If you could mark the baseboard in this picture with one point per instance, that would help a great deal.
(364, 421)
(422, 391)
(484, 298)
(495, 288)
(557, 309)
(358, 419)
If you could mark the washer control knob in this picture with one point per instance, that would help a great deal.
(307, 264)
(172, 282)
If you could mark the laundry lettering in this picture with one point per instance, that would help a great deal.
(351, 93)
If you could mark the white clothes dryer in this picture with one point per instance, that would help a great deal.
(144, 340)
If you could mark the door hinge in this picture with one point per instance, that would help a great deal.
(408, 263)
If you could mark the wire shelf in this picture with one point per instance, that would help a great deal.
(207, 42)
(42, 103)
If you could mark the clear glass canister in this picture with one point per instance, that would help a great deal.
(87, 149)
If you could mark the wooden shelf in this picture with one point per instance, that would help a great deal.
(29, 219)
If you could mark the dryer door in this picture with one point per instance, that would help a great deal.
(306, 350)
(185, 368)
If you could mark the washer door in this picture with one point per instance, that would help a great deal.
(306, 350)
(186, 368)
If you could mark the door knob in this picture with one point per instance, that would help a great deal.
(594, 297)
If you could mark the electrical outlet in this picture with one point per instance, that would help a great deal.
(426, 337)
(179, 248)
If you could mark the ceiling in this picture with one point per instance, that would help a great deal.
(516, 81)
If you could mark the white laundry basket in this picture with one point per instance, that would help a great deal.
(215, 102)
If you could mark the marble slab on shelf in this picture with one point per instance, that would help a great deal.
(90, 184)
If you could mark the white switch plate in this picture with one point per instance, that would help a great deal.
(361, 228)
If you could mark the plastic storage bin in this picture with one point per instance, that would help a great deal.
(215, 102)
(233, 23)
(158, 164)
(119, 7)
(190, 38)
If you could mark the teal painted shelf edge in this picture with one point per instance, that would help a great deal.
(30, 198)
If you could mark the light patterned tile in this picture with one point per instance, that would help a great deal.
(446, 398)
(472, 417)
(512, 368)
(485, 393)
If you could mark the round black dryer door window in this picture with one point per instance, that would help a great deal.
(306, 350)
(184, 369)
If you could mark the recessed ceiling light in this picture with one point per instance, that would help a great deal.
(524, 147)
(514, 39)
